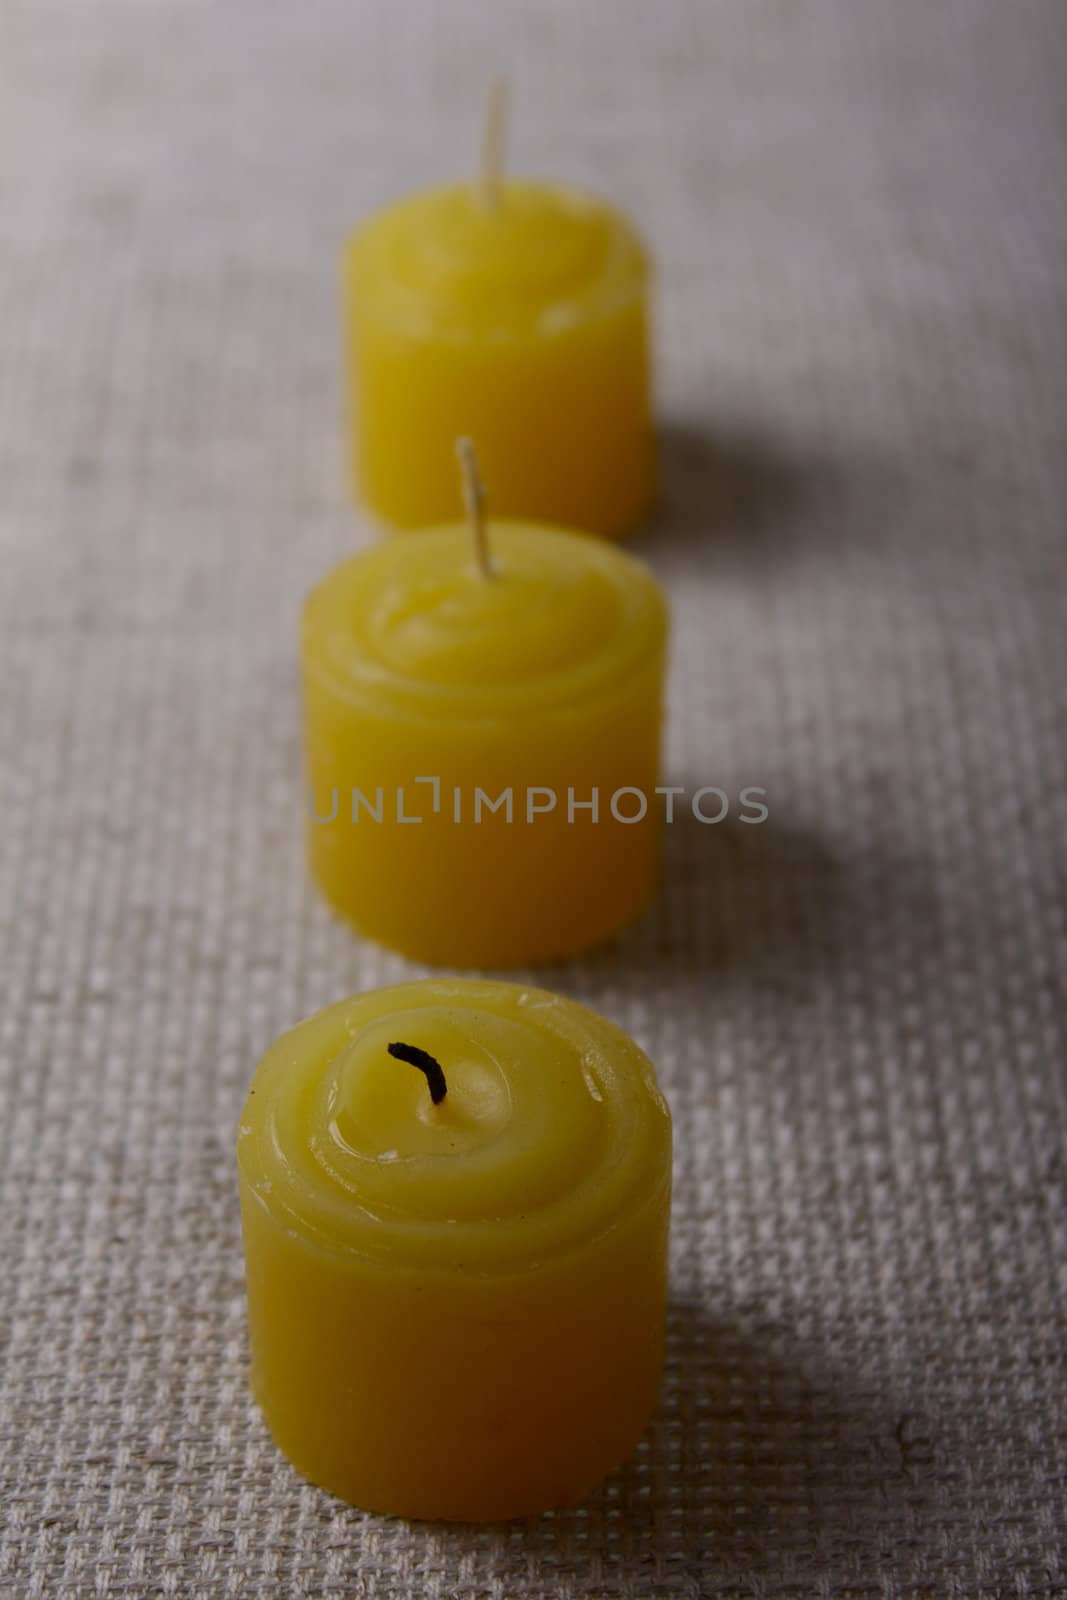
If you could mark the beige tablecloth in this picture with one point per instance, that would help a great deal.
(859, 217)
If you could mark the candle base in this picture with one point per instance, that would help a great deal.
(479, 950)
(446, 1506)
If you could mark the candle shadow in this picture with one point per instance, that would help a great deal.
(757, 1460)
(770, 903)
(758, 1457)
(732, 489)
(738, 895)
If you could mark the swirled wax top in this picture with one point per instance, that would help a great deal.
(550, 1130)
(414, 625)
(541, 259)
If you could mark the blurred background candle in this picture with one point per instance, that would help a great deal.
(446, 670)
(515, 312)
(456, 1281)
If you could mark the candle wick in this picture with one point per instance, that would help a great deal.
(426, 1063)
(474, 502)
(494, 134)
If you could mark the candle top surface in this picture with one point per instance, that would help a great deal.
(413, 622)
(548, 1131)
(540, 258)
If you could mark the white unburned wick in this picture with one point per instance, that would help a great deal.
(474, 503)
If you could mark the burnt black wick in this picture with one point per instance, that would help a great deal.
(425, 1063)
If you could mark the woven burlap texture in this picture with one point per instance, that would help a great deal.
(858, 216)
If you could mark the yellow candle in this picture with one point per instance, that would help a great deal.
(516, 312)
(482, 751)
(456, 1309)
